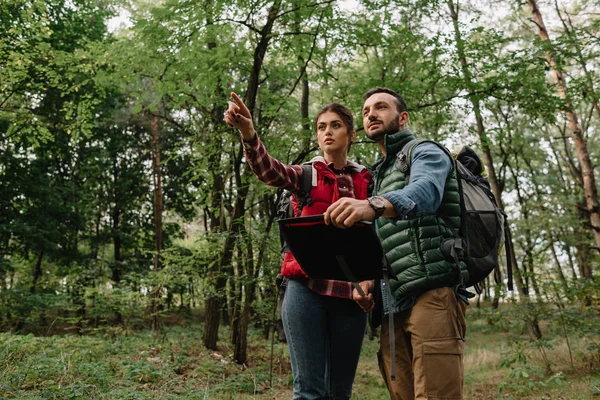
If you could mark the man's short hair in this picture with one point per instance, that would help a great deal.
(400, 103)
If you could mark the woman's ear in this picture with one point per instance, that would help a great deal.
(352, 136)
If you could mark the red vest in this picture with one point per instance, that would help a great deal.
(323, 195)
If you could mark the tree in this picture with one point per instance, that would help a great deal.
(583, 156)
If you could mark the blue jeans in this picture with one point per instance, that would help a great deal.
(324, 336)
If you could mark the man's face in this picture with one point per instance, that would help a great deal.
(381, 116)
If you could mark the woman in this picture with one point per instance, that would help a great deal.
(324, 327)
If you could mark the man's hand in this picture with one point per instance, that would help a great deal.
(365, 302)
(238, 116)
(347, 211)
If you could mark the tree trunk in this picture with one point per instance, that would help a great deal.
(116, 235)
(95, 245)
(561, 274)
(236, 290)
(216, 212)
(251, 276)
(567, 250)
(37, 271)
(580, 236)
(241, 343)
(528, 266)
(485, 145)
(549, 234)
(214, 303)
(483, 138)
(587, 168)
(157, 180)
(584, 252)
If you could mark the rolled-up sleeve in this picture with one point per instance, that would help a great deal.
(429, 170)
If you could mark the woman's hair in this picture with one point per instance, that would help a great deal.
(341, 110)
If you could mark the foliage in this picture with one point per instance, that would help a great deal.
(171, 363)
(91, 121)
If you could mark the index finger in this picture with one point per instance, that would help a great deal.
(240, 103)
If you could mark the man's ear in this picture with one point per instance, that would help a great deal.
(403, 119)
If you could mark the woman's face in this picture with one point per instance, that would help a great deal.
(332, 133)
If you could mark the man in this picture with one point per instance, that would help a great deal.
(428, 315)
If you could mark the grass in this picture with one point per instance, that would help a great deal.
(172, 364)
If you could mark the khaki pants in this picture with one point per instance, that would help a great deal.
(429, 348)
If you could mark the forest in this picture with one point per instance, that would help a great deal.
(132, 228)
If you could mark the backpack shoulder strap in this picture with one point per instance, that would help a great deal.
(405, 154)
(303, 194)
(306, 177)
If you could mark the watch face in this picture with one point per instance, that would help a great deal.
(377, 202)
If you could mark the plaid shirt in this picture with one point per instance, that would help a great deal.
(275, 173)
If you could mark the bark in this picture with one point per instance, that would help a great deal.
(94, 244)
(487, 154)
(561, 274)
(529, 242)
(37, 271)
(251, 275)
(584, 252)
(581, 235)
(259, 55)
(549, 235)
(214, 303)
(116, 220)
(116, 266)
(157, 180)
(587, 169)
(571, 262)
(158, 206)
(236, 291)
(240, 355)
(216, 215)
(483, 138)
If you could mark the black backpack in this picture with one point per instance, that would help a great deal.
(285, 209)
(484, 227)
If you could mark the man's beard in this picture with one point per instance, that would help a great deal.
(389, 129)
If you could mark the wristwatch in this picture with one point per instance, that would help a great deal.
(377, 203)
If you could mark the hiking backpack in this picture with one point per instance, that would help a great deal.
(285, 209)
(484, 227)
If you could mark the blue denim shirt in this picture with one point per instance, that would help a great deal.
(429, 170)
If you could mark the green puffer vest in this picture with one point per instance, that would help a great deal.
(412, 246)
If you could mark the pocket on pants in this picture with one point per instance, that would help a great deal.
(443, 362)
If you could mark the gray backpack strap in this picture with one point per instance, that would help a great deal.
(405, 154)
(306, 178)
(305, 187)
